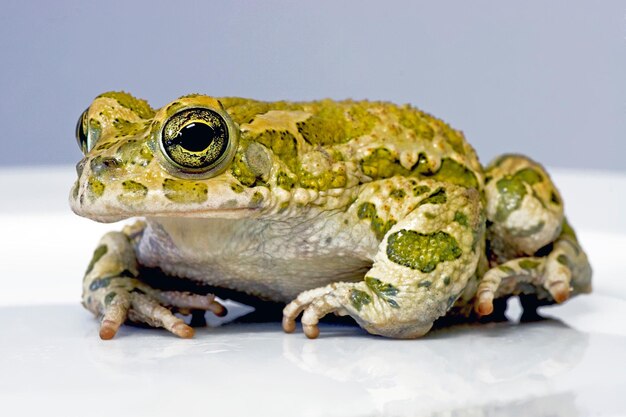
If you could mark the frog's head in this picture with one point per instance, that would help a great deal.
(180, 160)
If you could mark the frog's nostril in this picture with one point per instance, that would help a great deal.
(102, 163)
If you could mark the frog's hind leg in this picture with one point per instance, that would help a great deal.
(524, 209)
(564, 271)
(532, 248)
(112, 290)
(422, 266)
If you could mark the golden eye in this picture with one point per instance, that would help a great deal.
(197, 141)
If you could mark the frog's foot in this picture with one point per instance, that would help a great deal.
(565, 271)
(129, 299)
(523, 276)
(112, 289)
(315, 304)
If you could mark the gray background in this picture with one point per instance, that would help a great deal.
(543, 78)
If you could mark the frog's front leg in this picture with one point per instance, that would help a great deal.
(422, 265)
(532, 248)
(112, 289)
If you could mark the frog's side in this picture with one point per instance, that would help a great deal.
(367, 209)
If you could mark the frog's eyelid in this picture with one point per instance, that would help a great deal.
(82, 134)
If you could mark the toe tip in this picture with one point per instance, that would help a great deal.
(108, 330)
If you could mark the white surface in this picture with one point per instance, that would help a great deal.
(52, 362)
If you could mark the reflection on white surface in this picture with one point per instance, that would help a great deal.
(52, 362)
(530, 369)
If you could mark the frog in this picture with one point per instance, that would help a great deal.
(367, 209)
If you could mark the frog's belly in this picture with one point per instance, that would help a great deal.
(273, 259)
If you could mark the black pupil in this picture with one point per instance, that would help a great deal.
(196, 137)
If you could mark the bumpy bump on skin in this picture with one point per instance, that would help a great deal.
(181, 191)
(422, 251)
(140, 107)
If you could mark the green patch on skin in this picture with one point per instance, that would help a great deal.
(420, 251)
(528, 264)
(95, 187)
(382, 164)
(236, 188)
(512, 190)
(446, 281)
(506, 269)
(424, 284)
(98, 283)
(420, 189)
(430, 215)
(138, 106)
(97, 254)
(181, 191)
(397, 194)
(359, 298)
(132, 192)
(281, 142)
(385, 291)
(529, 176)
(461, 219)
(109, 297)
(437, 197)
(456, 173)
(333, 122)
(378, 225)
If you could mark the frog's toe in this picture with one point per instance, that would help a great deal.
(114, 314)
(314, 304)
(190, 301)
(147, 310)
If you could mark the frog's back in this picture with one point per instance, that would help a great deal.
(328, 144)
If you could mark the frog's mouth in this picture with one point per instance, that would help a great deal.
(108, 206)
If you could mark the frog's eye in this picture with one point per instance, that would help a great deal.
(198, 141)
(82, 133)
